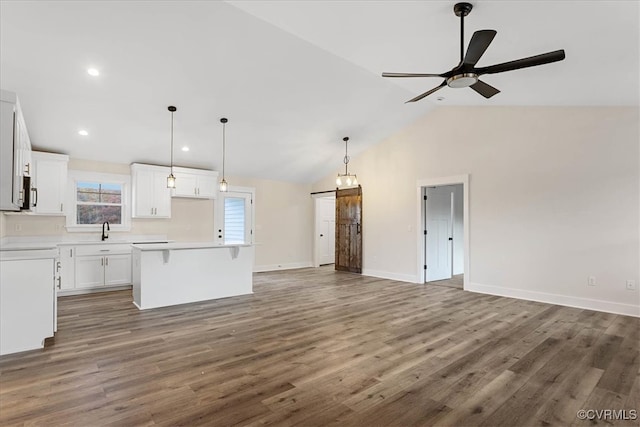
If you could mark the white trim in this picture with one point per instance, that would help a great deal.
(564, 300)
(70, 211)
(287, 266)
(316, 197)
(435, 182)
(389, 275)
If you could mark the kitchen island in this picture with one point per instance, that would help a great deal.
(166, 274)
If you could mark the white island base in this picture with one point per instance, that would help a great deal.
(166, 274)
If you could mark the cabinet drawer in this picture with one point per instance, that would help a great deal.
(84, 250)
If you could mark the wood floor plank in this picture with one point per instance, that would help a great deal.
(316, 347)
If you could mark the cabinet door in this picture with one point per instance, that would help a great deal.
(143, 188)
(26, 304)
(186, 185)
(118, 270)
(161, 196)
(50, 178)
(67, 268)
(207, 186)
(89, 271)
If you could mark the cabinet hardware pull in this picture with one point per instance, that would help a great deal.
(61, 207)
(102, 262)
(106, 261)
(70, 253)
(58, 265)
(35, 191)
(59, 282)
(105, 250)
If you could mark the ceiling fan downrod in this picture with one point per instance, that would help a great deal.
(462, 10)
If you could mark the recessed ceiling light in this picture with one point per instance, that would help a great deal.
(185, 148)
(93, 72)
(440, 98)
(83, 132)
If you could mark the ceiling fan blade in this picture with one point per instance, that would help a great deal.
(532, 61)
(409, 75)
(484, 89)
(419, 97)
(478, 45)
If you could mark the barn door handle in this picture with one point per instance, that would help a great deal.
(358, 228)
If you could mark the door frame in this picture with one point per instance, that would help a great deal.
(437, 182)
(315, 196)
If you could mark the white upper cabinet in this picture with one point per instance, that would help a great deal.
(195, 183)
(151, 197)
(49, 182)
(15, 153)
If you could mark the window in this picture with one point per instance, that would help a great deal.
(95, 198)
(98, 202)
(234, 220)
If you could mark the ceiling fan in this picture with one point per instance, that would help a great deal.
(465, 74)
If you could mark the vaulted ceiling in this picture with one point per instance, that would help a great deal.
(293, 77)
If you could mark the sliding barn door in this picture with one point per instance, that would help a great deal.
(349, 230)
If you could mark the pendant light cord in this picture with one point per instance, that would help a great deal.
(346, 156)
(172, 143)
(224, 125)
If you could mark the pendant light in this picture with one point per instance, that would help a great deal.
(171, 180)
(223, 183)
(346, 179)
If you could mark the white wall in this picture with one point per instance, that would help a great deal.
(554, 198)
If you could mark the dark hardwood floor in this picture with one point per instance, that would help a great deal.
(316, 347)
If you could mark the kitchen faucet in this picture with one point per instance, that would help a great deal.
(105, 236)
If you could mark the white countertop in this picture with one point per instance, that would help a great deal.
(182, 245)
(31, 243)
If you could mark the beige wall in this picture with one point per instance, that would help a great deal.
(554, 198)
(284, 223)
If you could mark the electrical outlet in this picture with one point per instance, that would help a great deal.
(591, 281)
(631, 285)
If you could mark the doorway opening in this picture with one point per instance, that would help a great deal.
(324, 240)
(443, 248)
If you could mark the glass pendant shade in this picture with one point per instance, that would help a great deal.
(223, 185)
(171, 181)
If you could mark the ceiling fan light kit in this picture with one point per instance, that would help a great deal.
(466, 74)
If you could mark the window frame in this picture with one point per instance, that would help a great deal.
(103, 178)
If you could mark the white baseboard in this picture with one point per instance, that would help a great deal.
(391, 276)
(285, 266)
(82, 291)
(569, 301)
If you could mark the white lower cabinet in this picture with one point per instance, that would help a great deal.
(27, 299)
(95, 266)
(67, 268)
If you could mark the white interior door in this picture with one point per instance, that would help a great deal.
(438, 240)
(325, 230)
